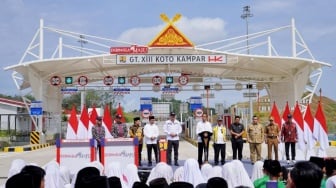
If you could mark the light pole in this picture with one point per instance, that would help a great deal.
(207, 88)
(82, 41)
(246, 14)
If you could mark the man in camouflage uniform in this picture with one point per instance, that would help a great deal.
(119, 129)
(136, 131)
(98, 133)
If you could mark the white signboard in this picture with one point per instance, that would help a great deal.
(75, 154)
(120, 150)
(171, 59)
(252, 94)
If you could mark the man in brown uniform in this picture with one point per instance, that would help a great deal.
(255, 137)
(272, 136)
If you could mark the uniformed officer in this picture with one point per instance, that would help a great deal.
(255, 137)
(272, 136)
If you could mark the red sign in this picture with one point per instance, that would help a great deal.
(134, 49)
(134, 80)
(157, 80)
(183, 80)
(108, 80)
(145, 113)
(83, 80)
(55, 80)
(198, 112)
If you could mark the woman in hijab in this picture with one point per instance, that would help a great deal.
(228, 173)
(131, 174)
(65, 176)
(161, 170)
(16, 167)
(53, 176)
(257, 171)
(178, 174)
(192, 173)
(241, 178)
(114, 169)
(206, 170)
(216, 172)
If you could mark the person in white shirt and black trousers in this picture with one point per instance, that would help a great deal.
(172, 128)
(219, 139)
(151, 132)
(204, 132)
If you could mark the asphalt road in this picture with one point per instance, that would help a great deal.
(39, 157)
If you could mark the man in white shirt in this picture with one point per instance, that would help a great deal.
(172, 128)
(151, 132)
(204, 132)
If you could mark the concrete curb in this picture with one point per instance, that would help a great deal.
(26, 148)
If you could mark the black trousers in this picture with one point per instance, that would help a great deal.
(99, 152)
(201, 149)
(219, 148)
(139, 151)
(151, 147)
(172, 144)
(292, 146)
(237, 146)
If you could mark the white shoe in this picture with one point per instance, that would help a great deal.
(294, 161)
(287, 161)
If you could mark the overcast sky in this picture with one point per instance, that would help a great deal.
(139, 21)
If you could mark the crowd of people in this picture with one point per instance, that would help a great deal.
(318, 172)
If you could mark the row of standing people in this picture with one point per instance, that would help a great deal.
(256, 134)
(148, 134)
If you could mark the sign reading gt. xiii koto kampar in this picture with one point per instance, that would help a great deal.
(170, 59)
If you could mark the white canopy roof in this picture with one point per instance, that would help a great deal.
(285, 78)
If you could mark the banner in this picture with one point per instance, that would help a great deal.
(171, 59)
